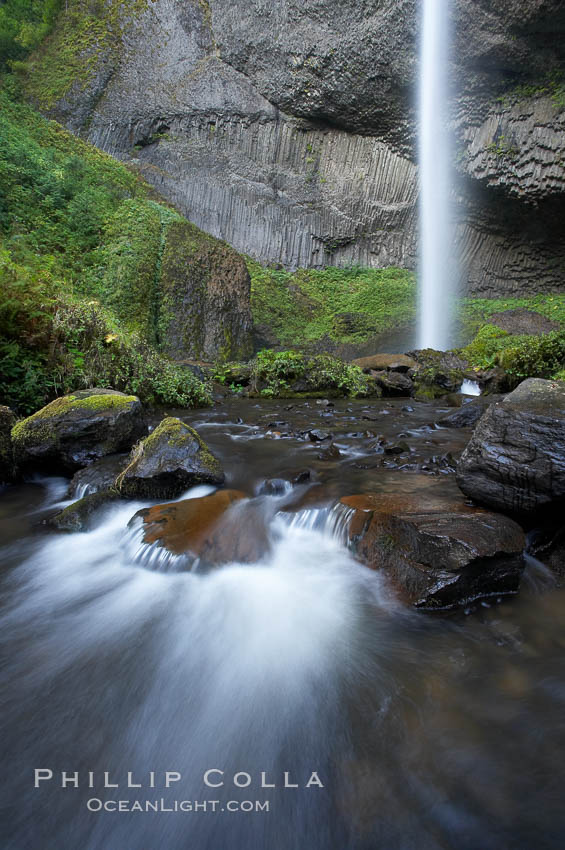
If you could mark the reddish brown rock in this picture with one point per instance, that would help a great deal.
(184, 526)
(438, 552)
(221, 528)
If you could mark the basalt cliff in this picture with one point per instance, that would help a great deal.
(288, 129)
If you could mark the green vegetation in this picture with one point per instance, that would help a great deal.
(80, 257)
(289, 373)
(23, 25)
(302, 307)
(474, 312)
(521, 356)
(85, 42)
(552, 85)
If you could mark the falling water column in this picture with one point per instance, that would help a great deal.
(437, 272)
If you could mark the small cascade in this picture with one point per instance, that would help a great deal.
(152, 556)
(332, 522)
(82, 490)
(469, 387)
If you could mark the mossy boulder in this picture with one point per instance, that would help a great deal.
(79, 515)
(169, 461)
(205, 297)
(77, 429)
(437, 372)
(7, 465)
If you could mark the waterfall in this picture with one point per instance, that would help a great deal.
(437, 278)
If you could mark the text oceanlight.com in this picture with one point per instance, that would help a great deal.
(97, 805)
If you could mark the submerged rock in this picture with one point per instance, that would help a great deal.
(7, 465)
(438, 553)
(78, 516)
(515, 461)
(75, 430)
(171, 459)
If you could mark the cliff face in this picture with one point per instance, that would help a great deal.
(288, 128)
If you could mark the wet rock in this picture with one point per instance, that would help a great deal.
(331, 453)
(273, 487)
(213, 528)
(515, 461)
(407, 409)
(383, 362)
(496, 381)
(79, 515)
(99, 476)
(317, 436)
(468, 415)
(393, 383)
(7, 464)
(522, 321)
(548, 546)
(75, 430)
(173, 458)
(302, 477)
(399, 448)
(437, 552)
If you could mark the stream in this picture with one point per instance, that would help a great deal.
(401, 729)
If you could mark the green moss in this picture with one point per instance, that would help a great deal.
(37, 426)
(302, 307)
(176, 434)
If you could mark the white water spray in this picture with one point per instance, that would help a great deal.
(437, 273)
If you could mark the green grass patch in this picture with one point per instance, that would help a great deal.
(474, 312)
(344, 304)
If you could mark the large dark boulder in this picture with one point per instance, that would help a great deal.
(75, 430)
(515, 461)
(7, 466)
(169, 461)
(437, 553)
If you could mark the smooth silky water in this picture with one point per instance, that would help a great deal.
(427, 732)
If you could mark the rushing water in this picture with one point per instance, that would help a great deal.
(425, 732)
(437, 269)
